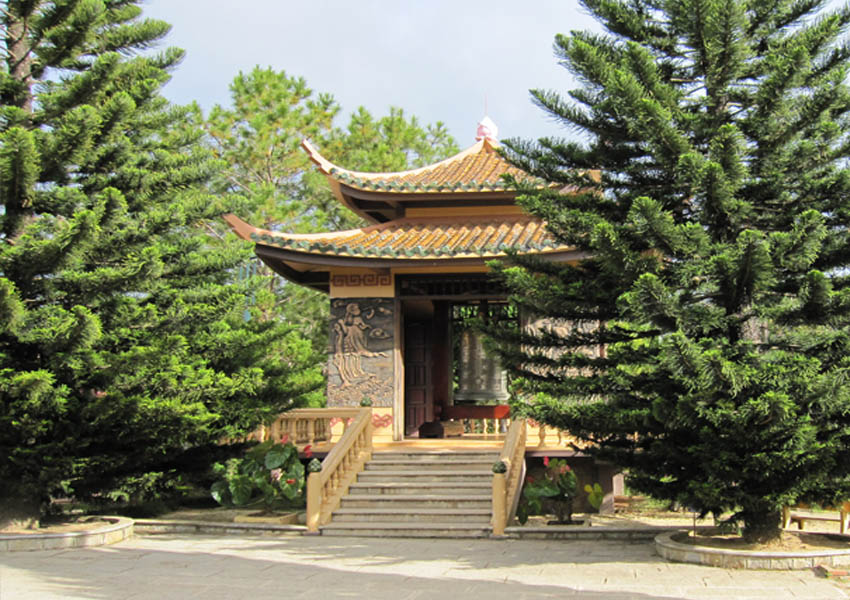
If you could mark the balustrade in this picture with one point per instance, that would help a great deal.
(314, 426)
(508, 474)
(305, 426)
(327, 486)
(350, 451)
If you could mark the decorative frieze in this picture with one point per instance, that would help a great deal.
(361, 279)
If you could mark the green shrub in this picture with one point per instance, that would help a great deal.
(555, 491)
(595, 495)
(270, 474)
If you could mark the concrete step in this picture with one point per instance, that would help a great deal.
(437, 457)
(412, 515)
(399, 464)
(446, 501)
(443, 475)
(419, 494)
(402, 488)
(426, 530)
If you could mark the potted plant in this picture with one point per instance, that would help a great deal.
(553, 492)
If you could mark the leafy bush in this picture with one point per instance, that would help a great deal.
(555, 491)
(595, 495)
(270, 473)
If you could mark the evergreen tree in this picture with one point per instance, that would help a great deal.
(123, 339)
(259, 136)
(711, 204)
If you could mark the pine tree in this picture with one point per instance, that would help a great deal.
(259, 136)
(123, 335)
(711, 201)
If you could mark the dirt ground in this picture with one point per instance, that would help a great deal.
(792, 539)
(218, 514)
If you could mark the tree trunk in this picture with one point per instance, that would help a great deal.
(18, 57)
(19, 513)
(762, 526)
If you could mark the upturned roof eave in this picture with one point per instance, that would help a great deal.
(328, 168)
(343, 245)
(322, 261)
(383, 183)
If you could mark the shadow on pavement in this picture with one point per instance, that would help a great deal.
(172, 566)
(176, 566)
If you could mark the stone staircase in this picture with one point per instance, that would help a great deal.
(419, 494)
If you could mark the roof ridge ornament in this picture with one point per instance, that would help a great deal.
(487, 129)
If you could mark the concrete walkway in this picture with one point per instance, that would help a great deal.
(220, 568)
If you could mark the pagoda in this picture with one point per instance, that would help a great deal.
(402, 288)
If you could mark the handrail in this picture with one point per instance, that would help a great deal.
(304, 426)
(338, 411)
(327, 486)
(507, 476)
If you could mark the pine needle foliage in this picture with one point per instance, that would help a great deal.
(123, 337)
(259, 136)
(702, 343)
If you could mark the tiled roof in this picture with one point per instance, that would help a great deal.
(477, 169)
(417, 237)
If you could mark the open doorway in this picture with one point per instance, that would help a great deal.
(448, 373)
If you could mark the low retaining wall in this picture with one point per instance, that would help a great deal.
(581, 532)
(118, 529)
(675, 551)
(154, 526)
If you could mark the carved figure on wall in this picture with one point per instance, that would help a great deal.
(360, 357)
(352, 343)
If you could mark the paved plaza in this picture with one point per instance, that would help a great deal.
(166, 567)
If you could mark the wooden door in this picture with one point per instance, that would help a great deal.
(418, 389)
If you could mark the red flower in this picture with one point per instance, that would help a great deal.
(564, 469)
(529, 479)
(308, 451)
(284, 438)
(545, 461)
(290, 481)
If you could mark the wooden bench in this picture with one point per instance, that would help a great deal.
(789, 517)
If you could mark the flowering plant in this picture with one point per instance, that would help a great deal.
(270, 474)
(554, 491)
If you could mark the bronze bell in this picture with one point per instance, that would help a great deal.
(481, 377)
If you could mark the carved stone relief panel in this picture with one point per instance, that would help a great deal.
(360, 358)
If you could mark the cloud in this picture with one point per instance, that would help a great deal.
(439, 60)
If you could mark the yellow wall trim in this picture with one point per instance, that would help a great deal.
(361, 283)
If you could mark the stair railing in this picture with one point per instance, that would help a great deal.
(304, 426)
(507, 476)
(329, 482)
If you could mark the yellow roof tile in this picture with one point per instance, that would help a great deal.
(478, 168)
(417, 237)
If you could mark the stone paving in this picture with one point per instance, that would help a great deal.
(173, 566)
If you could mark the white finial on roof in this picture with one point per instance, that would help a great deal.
(487, 129)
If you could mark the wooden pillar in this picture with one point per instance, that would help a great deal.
(442, 353)
(398, 374)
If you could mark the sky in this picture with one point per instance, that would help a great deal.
(441, 60)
